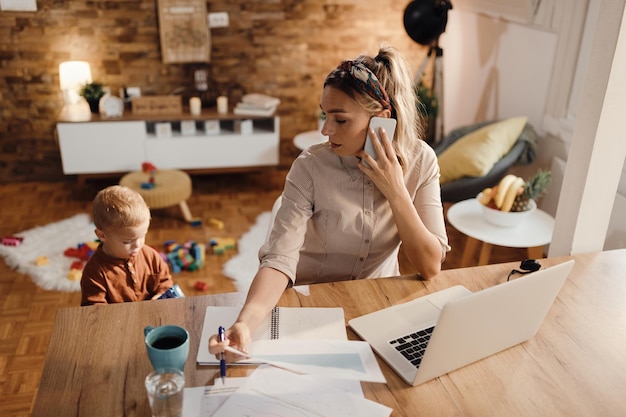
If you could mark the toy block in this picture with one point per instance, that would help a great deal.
(75, 274)
(216, 223)
(41, 261)
(195, 222)
(200, 286)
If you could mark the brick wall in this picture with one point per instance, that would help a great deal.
(282, 48)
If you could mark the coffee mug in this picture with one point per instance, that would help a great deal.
(167, 346)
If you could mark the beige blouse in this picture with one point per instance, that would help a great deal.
(334, 224)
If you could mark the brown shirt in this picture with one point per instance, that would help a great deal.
(111, 280)
(334, 224)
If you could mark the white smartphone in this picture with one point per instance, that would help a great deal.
(376, 123)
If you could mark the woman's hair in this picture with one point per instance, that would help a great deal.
(392, 72)
(119, 206)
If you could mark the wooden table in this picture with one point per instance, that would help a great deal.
(467, 217)
(574, 366)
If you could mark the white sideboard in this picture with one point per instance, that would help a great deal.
(209, 141)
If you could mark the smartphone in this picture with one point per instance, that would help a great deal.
(376, 123)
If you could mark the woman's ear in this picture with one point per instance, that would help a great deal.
(384, 113)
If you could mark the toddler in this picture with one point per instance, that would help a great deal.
(122, 268)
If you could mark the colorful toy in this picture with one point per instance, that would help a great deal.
(200, 286)
(41, 261)
(148, 168)
(75, 274)
(217, 223)
(222, 244)
(195, 222)
(12, 240)
(189, 256)
(82, 251)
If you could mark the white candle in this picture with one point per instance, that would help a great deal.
(222, 104)
(195, 105)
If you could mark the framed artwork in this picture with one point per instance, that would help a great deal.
(184, 31)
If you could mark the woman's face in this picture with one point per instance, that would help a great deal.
(346, 122)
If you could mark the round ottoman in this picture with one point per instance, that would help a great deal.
(171, 187)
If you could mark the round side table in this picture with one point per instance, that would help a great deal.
(466, 216)
(171, 187)
(306, 139)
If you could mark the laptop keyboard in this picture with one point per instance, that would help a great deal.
(413, 345)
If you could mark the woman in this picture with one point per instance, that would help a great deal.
(340, 218)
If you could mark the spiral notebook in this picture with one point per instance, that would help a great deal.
(312, 323)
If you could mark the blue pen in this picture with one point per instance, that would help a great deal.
(221, 332)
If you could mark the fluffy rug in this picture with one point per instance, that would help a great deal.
(50, 241)
(242, 267)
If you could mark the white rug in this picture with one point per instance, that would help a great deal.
(50, 241)
(242, 267)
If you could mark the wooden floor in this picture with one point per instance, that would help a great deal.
(27, 312)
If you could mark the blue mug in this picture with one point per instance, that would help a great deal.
(167, 346)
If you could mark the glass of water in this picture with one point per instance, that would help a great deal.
(165, 392)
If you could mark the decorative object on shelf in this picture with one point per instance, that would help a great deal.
(72, 75)
(188, 127)
(92, 92)
(150, 105)
(222, 104)
(195, 106)
(212, 127)
(163, 129)
(257, 105)
(111, 106)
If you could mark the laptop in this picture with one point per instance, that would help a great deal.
(444, 331)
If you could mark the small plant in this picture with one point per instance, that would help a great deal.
(93, 92)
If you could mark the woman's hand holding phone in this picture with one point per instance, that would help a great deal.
(376, 123)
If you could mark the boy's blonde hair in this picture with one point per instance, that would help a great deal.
(117, 206)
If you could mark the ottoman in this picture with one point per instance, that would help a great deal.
(171, 187)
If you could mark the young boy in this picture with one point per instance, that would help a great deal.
(122, 268)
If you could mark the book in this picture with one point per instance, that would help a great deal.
(253, 111)
(311, 323)
(261, 100)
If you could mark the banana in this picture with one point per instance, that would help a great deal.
(511, 193)
(503, 186)
(485, 196)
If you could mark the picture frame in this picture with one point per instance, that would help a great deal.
(183, 31)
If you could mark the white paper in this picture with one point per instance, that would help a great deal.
(272, 392)
(349, 359)
(204, 401)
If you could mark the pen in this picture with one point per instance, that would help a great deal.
(221, 333)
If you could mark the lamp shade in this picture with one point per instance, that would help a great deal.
(425, 20)
(74, 74)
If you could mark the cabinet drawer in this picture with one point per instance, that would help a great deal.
(101, 147)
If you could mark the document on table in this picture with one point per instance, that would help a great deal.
(347, 359)
(271, 392)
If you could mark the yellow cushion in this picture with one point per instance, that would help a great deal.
(476, 153)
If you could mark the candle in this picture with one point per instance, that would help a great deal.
(222, 104)
(195, 106)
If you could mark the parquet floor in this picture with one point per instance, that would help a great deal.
(27, 312)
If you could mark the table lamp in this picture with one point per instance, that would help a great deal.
(72, 76)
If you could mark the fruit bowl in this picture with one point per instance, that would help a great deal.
(506, 218)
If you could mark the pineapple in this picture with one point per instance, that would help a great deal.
(534, 188)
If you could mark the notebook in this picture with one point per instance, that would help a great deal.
(281, 323)
(464, 327)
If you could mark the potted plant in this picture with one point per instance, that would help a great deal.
(93, 92)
